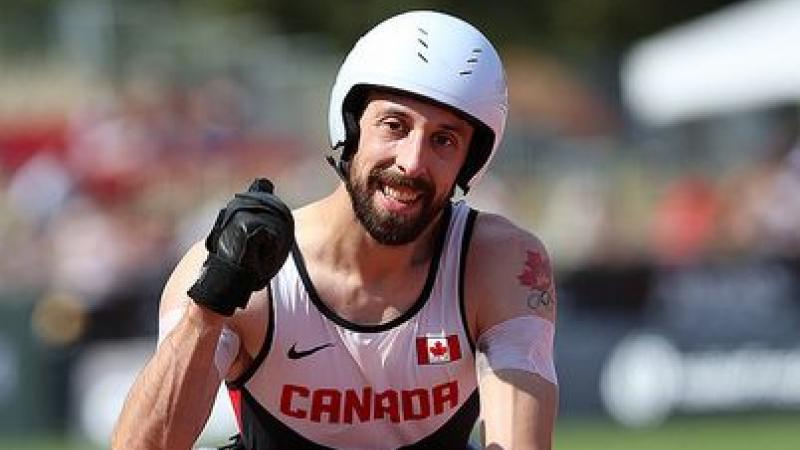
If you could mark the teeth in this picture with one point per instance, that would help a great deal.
(400, 195)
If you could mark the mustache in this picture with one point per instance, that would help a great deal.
(387, 176)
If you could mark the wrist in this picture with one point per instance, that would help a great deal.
(196, 325)
(222, 286)
(204, 319)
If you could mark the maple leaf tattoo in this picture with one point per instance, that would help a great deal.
(536, 276)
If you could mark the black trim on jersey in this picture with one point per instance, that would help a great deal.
(263, 431)
(415, 308)
(265, 346)
(462, 269)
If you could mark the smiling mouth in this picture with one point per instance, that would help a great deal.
(400, 194)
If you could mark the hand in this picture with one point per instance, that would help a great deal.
(246, 247)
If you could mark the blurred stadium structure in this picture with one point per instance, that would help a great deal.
(675, 227)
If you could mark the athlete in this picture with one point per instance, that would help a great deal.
(385, 315)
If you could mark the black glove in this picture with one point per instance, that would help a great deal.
(246, 247)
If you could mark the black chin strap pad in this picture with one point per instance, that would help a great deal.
(347, 147)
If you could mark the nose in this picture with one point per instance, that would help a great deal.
(411, 155)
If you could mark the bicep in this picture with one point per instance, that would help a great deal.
(509, 275)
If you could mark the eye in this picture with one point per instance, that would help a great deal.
(394, 126)
(444, 140)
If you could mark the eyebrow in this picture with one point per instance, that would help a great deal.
(457, 127)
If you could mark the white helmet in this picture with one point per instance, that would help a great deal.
(431, 55)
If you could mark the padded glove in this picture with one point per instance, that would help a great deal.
(247, 246)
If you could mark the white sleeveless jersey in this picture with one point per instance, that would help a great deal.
(321, 381)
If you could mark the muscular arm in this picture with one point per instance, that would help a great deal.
(172, 397)
(518, 407)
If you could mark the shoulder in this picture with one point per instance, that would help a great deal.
(508, 273)
(492, 231)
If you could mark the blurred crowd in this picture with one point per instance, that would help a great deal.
(670, 198)
(96, 206)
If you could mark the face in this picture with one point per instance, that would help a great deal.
(404, 170)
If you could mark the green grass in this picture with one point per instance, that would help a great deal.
(43, 443)
(730, 432)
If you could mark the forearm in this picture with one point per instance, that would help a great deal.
(519, 411)
(173, 395)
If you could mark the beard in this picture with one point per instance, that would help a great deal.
(386, 227)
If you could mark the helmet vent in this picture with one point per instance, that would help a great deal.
(422, 42)
(472, 60)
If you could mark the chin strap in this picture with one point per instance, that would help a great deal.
(342, 168)
(348, 146)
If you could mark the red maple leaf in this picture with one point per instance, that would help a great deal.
(438, 349)
(535, 274)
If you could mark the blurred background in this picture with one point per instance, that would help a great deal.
(653, 146)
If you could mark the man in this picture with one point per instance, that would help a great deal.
(398, 316)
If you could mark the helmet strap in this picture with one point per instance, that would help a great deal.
(347, 148)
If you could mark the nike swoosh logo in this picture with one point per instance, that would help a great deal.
(294, 354)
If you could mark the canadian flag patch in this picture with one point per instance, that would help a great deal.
(438, 349)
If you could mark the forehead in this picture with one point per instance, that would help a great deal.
(378, 102)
